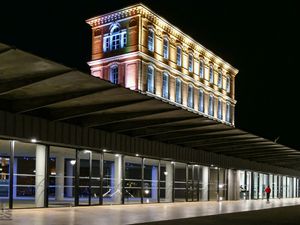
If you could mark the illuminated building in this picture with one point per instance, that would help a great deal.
(68, 138)
(138, 49)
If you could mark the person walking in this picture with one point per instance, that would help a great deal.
(268, 191)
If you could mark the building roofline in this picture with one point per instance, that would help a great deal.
(210, 54)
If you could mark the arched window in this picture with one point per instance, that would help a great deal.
(228, 112)
(166, 48)
(151, 40)
(220, 79)
(150, 79)
(211, 105)
(201, 69)
(220, 109)
(190, 100)
(191, 62)
(201, 101)
(165, 86)
(211, 74)
(114, 76)
(178, 98)
(115, 39)
(228, 84)
(179, 56)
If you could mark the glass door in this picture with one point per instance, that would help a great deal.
(96, 178)
(193, 183)
(89, 178)
(84, 176)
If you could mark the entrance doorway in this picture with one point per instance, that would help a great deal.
(193, 183)
(89, 178)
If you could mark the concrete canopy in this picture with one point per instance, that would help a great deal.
(35, 86)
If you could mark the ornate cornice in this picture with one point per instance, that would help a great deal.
(145, 12)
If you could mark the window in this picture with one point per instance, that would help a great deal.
(201, 69)
(178, 91)
(151, 40)
(114, 74)
(124, 40)
(165, 91)
(191, 62)
(150, 79)
(228, 112)
(115, 42)
(115, 39)
(211, 105)
(211, 74)
(178, 56)
(201, 101)
(220, 78)
(228, 84)
(106, 44)
(190, 100)
(220, 109)
(166, 48)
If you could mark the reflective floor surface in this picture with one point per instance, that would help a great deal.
(131, 214)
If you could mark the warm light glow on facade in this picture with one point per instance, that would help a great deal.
(123, 38)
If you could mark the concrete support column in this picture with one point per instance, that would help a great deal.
(117, 176)
(204, 181)
(59, 180)
(154, 181)
(169, 181)
(40, 175)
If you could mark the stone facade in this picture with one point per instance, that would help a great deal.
(132, 53)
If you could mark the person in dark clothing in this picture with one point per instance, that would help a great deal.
(268, 191)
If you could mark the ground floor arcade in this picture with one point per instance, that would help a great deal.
(37, 175)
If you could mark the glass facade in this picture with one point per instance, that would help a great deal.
(61, 176)
(133, 179)
(180, 182)
(36, 175)
(150, 182)
(217, 184)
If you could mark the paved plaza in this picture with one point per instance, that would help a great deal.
(132, 214)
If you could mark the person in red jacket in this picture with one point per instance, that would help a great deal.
(268, 191)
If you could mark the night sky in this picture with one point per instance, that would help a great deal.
(259, 39)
